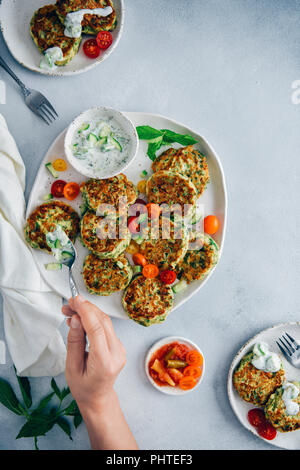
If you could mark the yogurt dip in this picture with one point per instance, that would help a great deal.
(60, 244)
(290, 392)
(50, 57)
(73, 20)
(264, 359)
(101, 146)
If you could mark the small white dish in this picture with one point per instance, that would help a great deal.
(289, 440)
(101, 113)
(167, 388)
(15, 21)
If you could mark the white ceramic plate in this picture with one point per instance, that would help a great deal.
(290, 440)
(15, 21)
(213, 199)
(168, 389)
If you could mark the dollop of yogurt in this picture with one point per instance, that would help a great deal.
(264, 359)
(51, 56)
(290, 392)
(73, 20)
(60, 244)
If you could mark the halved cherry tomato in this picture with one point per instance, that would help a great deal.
(167, 277)
(211, 224)
(187, 383)
(59, 165)
(194, 358)
(150, 271)
(267, 431)
(71, 191)
(104, 39)
(192, 371)
(133, 224)
(139, 259)
(137, 209)
(140, 201)
(256, 417)
(153, 210)
(91, 48)
(57, 188)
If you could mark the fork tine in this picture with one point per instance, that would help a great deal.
(46, 108)
(42, 116)
(292, 339)
(285, 347)
(287, 342)
(50, 106)
(47, 113)
(282, 350)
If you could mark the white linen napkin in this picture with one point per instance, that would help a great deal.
(32, 312)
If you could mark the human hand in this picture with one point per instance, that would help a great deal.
(91, 375)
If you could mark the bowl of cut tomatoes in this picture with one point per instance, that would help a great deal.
(175, 365)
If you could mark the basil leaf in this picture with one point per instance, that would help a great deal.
(184, 139)
(77, 420)
(65, 392)
(64, 425)
(147, 132)
(72, 409)
(36, 427)
(8, 398)
(55, 388)
(42, 405)
(25, 388)
(152, 149)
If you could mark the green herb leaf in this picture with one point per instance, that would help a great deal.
(72, 409)
(64, 425)
(77, 420)
(152, 149)
(65, 392)
(8, 398)
(56, 389)
(42, 405)
(35, 427)
(24, 385)
(184, 139)
(148, 133)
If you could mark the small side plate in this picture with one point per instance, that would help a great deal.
(168, 389)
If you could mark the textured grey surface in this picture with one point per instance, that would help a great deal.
(225, 68)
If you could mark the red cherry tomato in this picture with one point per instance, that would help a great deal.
(137, 209)
(133, 224)
(104, 39)
(267, 431)
(256, 417)
(140, 201)
(57, 188)
(91, 48)
(168, 277)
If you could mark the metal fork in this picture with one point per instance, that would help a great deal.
(290, 348)
(37, 102)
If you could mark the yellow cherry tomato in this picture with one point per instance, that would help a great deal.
(141, 186)
(59, 165)
(132, 248)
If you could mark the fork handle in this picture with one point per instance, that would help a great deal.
(73, 287)
(4, 65)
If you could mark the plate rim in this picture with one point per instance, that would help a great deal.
(57, 72)
(224, 191)
(230, 374)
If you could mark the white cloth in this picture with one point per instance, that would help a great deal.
(32, 312)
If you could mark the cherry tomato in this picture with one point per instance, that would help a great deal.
(71, 191)
(59, 165)
(256, 417)
(137, 209)
(133, 224)
(150, 271)
(57, 188)
(140, 201)
(139, 259)
(194, 358)
(168, 277)
(104, 39)
(267, 431)
(153, 210)
(211, 224)
(187, 383)
(91, 48)
(192, 371)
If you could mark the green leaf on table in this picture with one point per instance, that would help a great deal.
(152, 149)
(64, 425)
(65, 392)
(148, 133)
(55, 388)
(8, 398)
(37, 426)
(42, 405)
(77, 420)
(184, 139)
(72, 409)
(25, 388)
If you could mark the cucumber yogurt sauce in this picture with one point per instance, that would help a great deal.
(101, 146)
(264, 359)
(73, 20)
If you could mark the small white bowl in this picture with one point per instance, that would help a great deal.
(101, 113)
(167, 388)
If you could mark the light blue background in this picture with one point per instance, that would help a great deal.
(225, 68)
